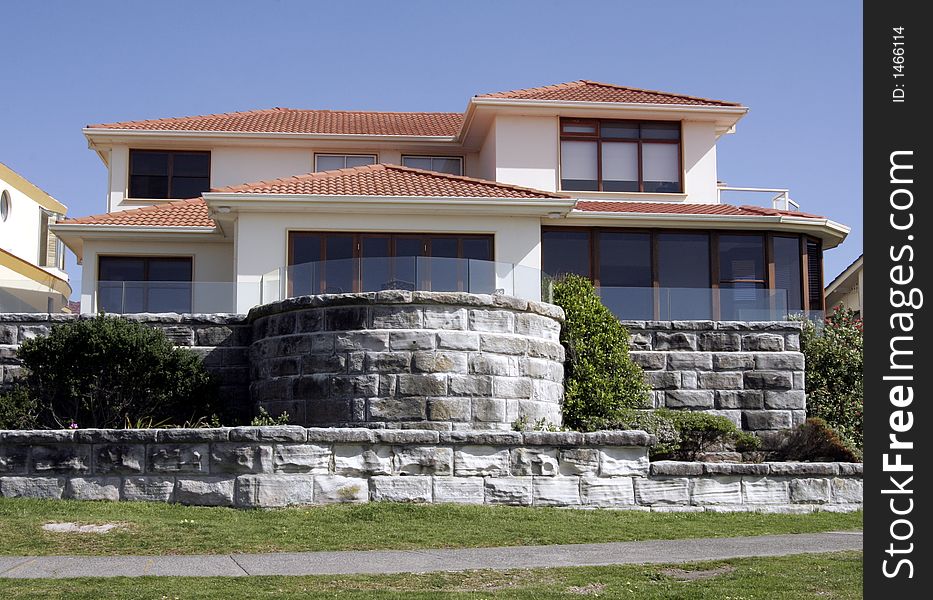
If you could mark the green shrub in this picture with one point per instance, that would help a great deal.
(834, 376)
(601, 380)
(264, 418)
(815, 441)
(107, 372)
(18, 409)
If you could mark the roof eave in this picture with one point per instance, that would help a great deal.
(101, 133)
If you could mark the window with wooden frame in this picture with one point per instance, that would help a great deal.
(135, 284)
(332, 162)
(169, 174)
(683, 274)
(452, 165)
(620, 156)
(326, 262)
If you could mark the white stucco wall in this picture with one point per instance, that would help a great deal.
(236, 165)
(699, 162)
(517, 241)
(527, 151)
(19, 234)
(214, 289)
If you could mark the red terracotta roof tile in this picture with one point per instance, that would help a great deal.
(387, 180)
(663, 208)
(183, 213)
(288, 120)
(594, 91)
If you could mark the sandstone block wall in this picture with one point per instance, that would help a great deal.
(255, 467)
(750, 372)
(430, 360)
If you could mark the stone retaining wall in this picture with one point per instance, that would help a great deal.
(221, 340)
(750, 372)
(429, 360)
(252, 467)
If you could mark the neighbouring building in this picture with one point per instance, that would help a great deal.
(32, 258)
(846, 289)
(222, 212)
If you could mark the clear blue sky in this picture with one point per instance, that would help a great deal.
(796, 64)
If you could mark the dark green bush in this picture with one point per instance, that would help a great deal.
(107, 372)
(835, 359)
(815, 441)
(601, 379)
(18, 410)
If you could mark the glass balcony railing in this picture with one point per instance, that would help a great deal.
(410, 273)
(128, 297)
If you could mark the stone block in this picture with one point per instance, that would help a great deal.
(546, 349)
(489, 410)
(354, 386)
(200, 435)
(8, 334)
(178, 458)
(798, 469)
(148, 489)
(765, 490)
(330, 489)
(768, 380)
(324, 343)
(422, 384)
(739, 399)
(362, 461)
(457, 340)
(300, 458)
(607, 492)
(470, 461)
(690, 361)
(342, 435)
(492, 364)
(623, 462)
(402, 489)
(651, 492)
(46, 488)
(205, 491)
(496, 321)
(439, 362)
(663, 380)
(516, 491)
(790, 399)
(462, 490)
(850, 468)
(674, 341)
(688, 379)
(412, 436)
(123, 436)
(552, 438)
(423, 460)
(359, 341)
(537, 326)
(649, 361)
(689, 399)
(290, 345)
(630, 437)
(717, 490)
(398, 409)
(512, 387)
(792, 342)
(733, 415)
(766, 419)
(71, 459)
(271, 433)
(482, 437)
(233, 457)
(810, 490)
(470, 385)
(503, 343)
(733, 361)
(310, 320)
(847, 490)
(640, 340)
(122, 459)
(273, 491)
(718, 341)
(444, 318)
(720, 380)
(412, 340)
(535, 461)
(779, 361)
(93, 488)
(395, 362)
(763, 342)
(556, 491)
(394, 317)
(328, 410)
(676, 468)
(346, 318)
(14, 460)
(449, 409)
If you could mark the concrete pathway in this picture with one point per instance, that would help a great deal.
(423, 561)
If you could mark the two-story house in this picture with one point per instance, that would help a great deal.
(32, 259)
(222, 212)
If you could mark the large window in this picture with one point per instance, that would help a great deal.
(620, 156)
(680, 274)
(135, 284)
(162, 174)
(332, 263)
(452, 165)
(332, 162)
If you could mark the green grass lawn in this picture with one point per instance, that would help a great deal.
(834, 576)
(156, 528)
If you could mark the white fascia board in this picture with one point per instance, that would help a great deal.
(393, 204)
(827, 229)
(680, 108)
(68, 228)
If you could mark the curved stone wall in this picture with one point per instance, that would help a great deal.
(432, 360)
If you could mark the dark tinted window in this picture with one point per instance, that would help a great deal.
(684, 276)
(565, 252)
(144, 284)
(164, 174)
(787, 270)
(741, 258)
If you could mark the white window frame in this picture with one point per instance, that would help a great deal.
(432, 157)
(375, 158)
